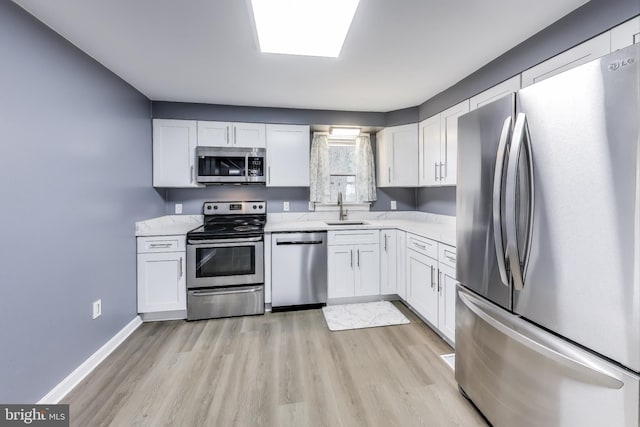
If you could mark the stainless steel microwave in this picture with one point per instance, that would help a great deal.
(219, 165)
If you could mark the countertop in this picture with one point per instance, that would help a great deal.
(437, 227)
(168, 225)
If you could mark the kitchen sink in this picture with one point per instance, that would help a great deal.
(346, 222)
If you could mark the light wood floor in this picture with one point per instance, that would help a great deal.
(280, 369)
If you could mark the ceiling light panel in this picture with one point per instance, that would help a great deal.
(303, 27)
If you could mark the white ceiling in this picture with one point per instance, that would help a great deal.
(398, 53)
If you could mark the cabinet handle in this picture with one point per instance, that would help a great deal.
(269, 173)
(358, 258)
(445, 171)
(160, 245)
(351, 257)
(435, 171)
(420, 246)
(181, 272)
(192, 174)
(389, 175)
(439, 280)
(431, 266)
(385, 242)
(234, 135)
(227, 134)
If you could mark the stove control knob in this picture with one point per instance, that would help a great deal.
(215, 207)
(260, 206)
(208, 207)
(254, 206)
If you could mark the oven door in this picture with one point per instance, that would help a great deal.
(225, 262)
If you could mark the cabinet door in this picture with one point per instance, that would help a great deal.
(341, 272)
(384, 157)
(404, 153)
(585, 52)
(421, 285)
(447, 301)
(449, 142)
(401, 264)
(495, 92)
(161, 282)
(174, 152)
(388, 262)
(288, 155)
(625, 34)
(367, 260)
(429, 151)
(249, 135)
(214, 134)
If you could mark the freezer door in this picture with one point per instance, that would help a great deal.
(582, 277)
(520, 375)
(483, 144)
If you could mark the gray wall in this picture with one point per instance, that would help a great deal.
(75, 174)
(437, 200)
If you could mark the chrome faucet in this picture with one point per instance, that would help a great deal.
(343, 212)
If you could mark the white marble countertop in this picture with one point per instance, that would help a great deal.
(437, 227)
(168, 225)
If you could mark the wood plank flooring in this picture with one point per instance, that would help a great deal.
(280, 369)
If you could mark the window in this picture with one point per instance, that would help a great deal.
(342, 165)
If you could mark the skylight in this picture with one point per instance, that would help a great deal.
(303, 27)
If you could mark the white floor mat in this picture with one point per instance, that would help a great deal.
(449, 359)
(366, 315)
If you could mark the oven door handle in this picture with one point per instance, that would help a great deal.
(226, 292)
(224, 241)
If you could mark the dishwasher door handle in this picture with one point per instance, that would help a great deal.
(301, 242)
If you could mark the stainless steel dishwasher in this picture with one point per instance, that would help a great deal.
(298, 269)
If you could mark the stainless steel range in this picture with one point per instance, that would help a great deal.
(225, 261)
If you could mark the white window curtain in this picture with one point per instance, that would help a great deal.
(320, 170)
(365, 170)
(320, 189)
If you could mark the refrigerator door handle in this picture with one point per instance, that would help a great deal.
(518, 264)
(562, 354)
(497, 200)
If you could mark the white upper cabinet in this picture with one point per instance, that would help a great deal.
(288, 155)
(625, 34)
(397, 150)
(585, 52)
(495, 92)
(230, 134)
(174, 152)
(429, 151)
(438, 146)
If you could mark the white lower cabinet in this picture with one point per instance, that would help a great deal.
(388, 262)
(421, 287)
(161, 274)
(353, 269)
(431, 283)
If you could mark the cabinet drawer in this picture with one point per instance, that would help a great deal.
(161, 244)
(422, 245)
(447, 255)
(353, 237)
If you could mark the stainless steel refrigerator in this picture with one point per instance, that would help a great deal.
(548, 250)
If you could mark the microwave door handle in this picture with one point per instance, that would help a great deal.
(520, 140)
(497, 200)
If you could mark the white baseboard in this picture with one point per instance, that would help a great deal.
(74, 378)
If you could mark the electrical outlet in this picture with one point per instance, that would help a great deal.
(285, 206)
(394, 205)
(178, 208)
(97, 308)
(312, 206)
